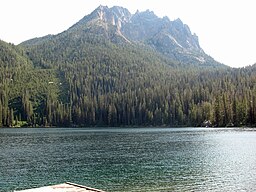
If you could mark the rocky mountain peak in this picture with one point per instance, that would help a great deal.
(182, 34)
(114, 16)
(116, 24)
(177, 22)
(105, 16)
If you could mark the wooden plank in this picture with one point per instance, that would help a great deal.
(64, 187)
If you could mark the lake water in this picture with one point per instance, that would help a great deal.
(145, 159)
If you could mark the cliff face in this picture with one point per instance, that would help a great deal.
(117, 25)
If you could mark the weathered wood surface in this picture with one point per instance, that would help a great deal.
(64, 187)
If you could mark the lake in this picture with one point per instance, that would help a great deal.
(143, 159)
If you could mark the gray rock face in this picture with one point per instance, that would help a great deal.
(141, 26)
(170, 38)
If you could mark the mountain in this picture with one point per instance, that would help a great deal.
(172, 39)
(114, 68)
(12, 56)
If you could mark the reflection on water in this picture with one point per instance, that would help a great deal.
(186, 159)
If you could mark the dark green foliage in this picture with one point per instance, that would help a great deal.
(90, 81)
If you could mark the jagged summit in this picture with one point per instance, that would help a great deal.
(116, 24)
(113, 16)
(181, 32)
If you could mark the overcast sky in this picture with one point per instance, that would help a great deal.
(226, 28)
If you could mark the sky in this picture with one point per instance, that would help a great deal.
(226, 29)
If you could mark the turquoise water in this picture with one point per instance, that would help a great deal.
(145, 159)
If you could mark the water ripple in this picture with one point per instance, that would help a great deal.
(186, 159)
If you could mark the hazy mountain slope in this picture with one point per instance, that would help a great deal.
(171, 38)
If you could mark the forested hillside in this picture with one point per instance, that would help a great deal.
(23, 87)
(94, 75)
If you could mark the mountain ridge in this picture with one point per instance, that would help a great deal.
(170, 38)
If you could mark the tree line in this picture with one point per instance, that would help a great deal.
(113, 85)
